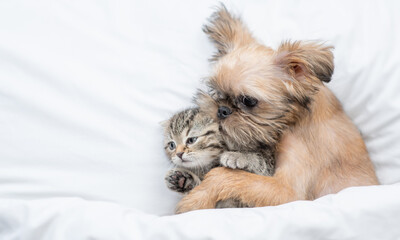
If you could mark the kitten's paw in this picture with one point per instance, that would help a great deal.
(179, 181)
(234, 160)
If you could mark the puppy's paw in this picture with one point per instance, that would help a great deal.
(179, 181)
(234, 160)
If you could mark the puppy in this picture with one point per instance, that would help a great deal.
(263, 97)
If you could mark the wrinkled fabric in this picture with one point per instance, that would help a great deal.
(355, 213)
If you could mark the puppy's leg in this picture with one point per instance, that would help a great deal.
(223, 183)
(251, 162)
(181, 180)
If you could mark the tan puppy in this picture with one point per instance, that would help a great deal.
(276, 98)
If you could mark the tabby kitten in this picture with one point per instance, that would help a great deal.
(194, 145)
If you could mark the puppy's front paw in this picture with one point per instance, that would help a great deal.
(179, 181)
(233, 160)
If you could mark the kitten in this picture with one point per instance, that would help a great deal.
(194, 145)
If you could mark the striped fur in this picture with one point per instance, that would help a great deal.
(204, 153)
(194, 158)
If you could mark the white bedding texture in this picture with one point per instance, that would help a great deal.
(85, 84)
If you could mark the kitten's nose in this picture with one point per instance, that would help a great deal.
(223, 112)
(179, 154)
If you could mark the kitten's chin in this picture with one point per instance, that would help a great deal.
(180, 162)
(186, 163)
(193, 163)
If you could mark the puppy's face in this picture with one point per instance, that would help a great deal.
(256, 92)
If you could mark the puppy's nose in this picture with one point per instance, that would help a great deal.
(179, 154)
(224, 112)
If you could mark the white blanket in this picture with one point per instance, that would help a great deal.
(84, 85)
(355, 213)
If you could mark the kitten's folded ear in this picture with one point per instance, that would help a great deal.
(309, 60)
(164, 124)
(226, 31)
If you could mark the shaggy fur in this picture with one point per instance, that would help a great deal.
(318, 149)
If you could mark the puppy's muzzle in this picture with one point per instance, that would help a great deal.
(223, 112)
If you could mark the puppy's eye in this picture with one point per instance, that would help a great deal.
(248, 101)
(191, 140)
(171, 146)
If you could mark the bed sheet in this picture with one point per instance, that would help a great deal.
(355, 213)
(85, 84)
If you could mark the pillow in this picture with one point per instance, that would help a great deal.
(84, 85)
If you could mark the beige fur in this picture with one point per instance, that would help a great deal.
(318, 149)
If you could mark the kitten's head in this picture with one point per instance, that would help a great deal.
(192, 140)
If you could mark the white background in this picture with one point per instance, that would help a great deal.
(84, 85)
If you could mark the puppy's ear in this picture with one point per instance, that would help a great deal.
(306, 60)
(226, 31)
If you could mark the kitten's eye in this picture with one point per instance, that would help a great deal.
(191, 140)
(171, 146)
(248, 101)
